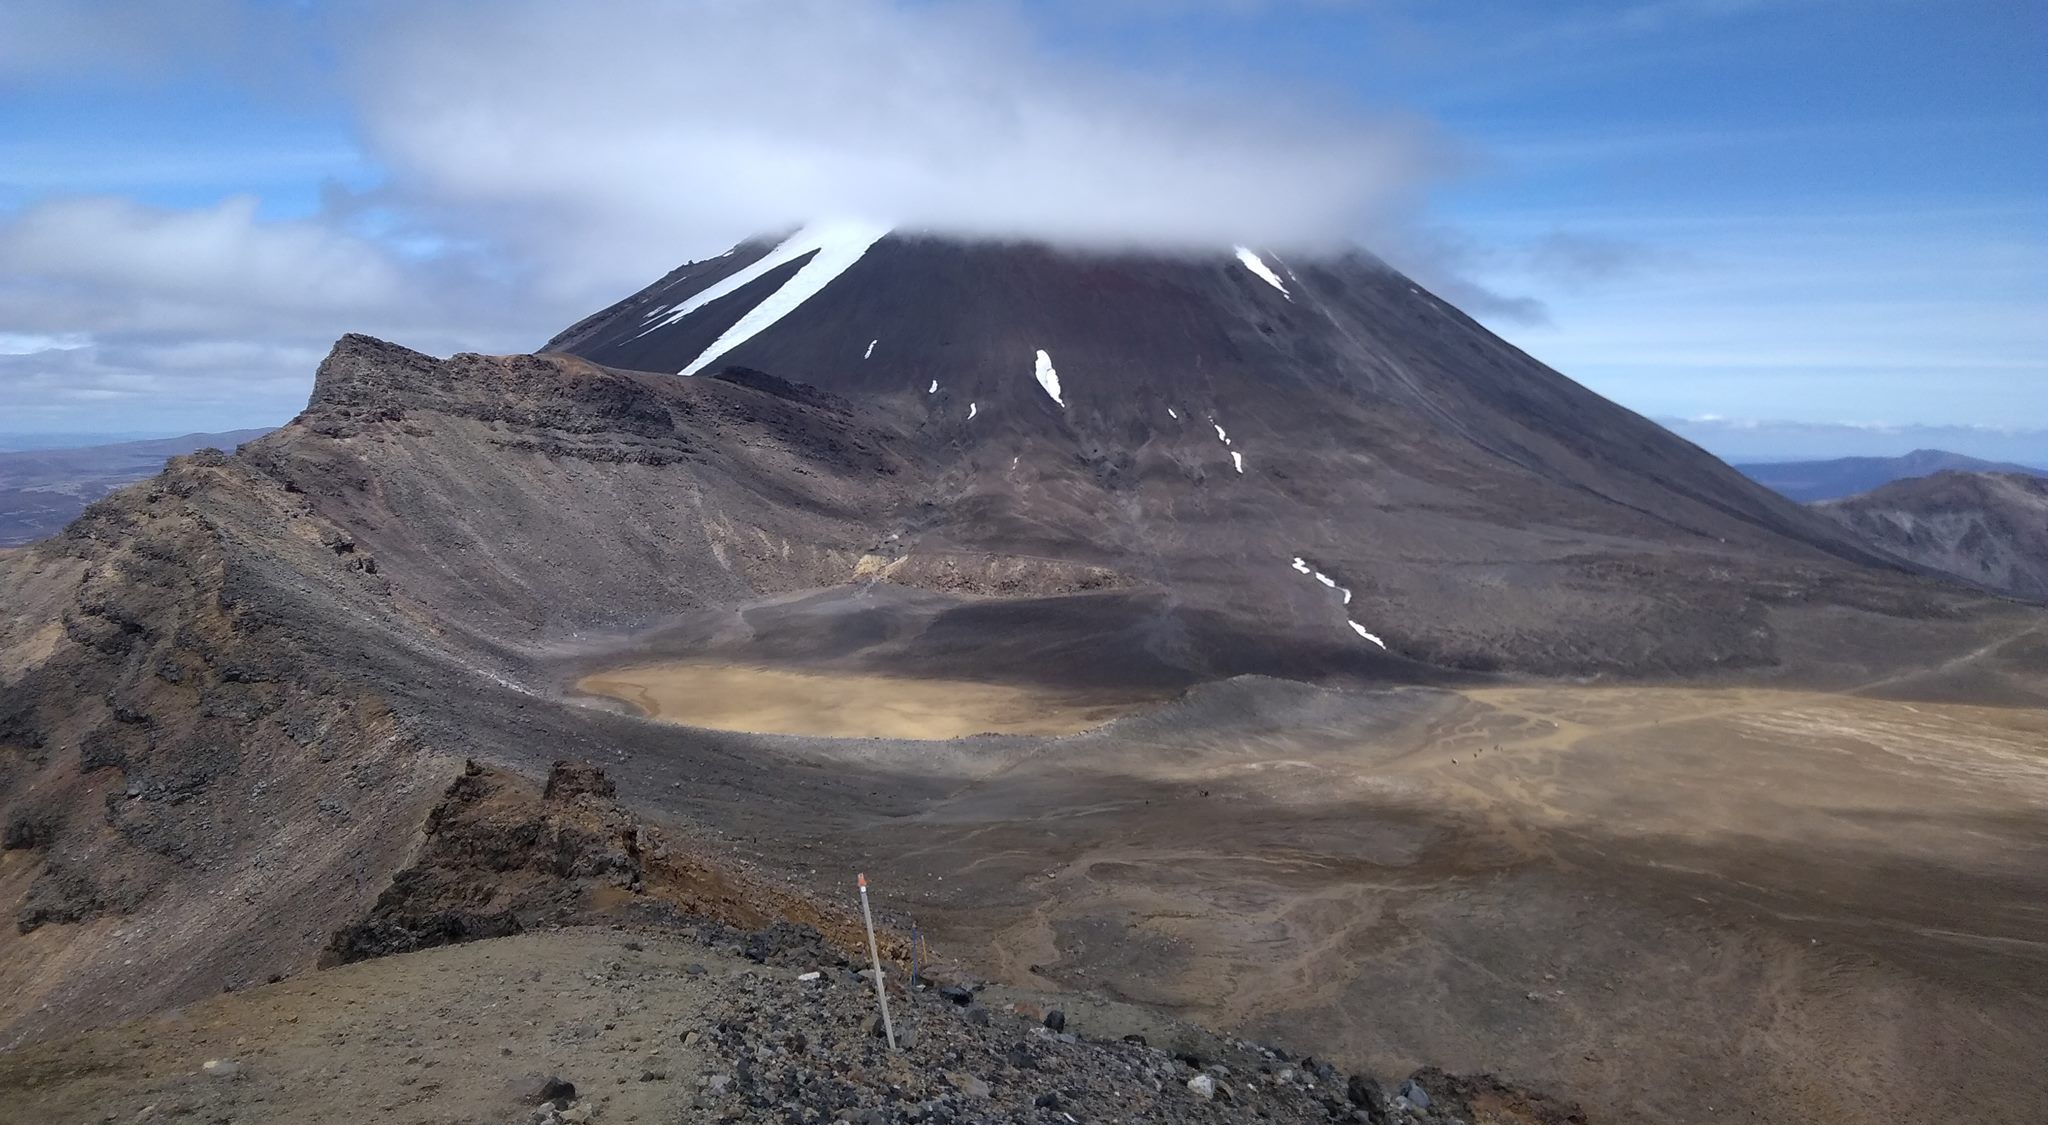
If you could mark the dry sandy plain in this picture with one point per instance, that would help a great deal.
(1673, 903)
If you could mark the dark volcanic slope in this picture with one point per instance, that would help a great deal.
(1990, 529)
(1807, 481)
(1483, 510)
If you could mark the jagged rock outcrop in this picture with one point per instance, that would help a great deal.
(498, 857)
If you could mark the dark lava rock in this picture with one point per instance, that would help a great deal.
(1056, 1020)
(1463, 1096)
(31, 828)
(790, 944)
(553, 1090)
(571, 779)
(1367, 1094)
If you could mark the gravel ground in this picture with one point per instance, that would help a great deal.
(616, 1025)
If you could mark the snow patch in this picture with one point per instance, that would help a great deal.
(933, 389)
(1237, 459)
(654, 312)
(1258, 266)
(870, 353)
(1171, 414)
(837, 246)
(1048, 378)
(973, 408)
(1301, 566)
(1220, 435)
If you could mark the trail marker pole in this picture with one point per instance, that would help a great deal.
(875, 955)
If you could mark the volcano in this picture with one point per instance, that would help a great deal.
(1285, 464)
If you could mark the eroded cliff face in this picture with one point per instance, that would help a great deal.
(206, 789)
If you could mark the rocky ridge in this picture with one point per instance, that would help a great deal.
(1989, 529)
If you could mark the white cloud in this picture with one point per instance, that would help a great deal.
(212, 317)
(157, 384)
(613, 138)
(215, 255)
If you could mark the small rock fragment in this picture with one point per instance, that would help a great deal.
(968, 1084)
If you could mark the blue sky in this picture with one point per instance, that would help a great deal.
(1782, 226)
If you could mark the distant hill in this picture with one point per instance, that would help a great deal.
(1807, 481)
(41, 490)
(1990, 529)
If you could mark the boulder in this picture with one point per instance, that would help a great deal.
(1366, 1094)
(553, 1090)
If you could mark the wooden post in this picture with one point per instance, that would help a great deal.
(875, 956)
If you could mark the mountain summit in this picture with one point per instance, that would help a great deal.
(1277, 461)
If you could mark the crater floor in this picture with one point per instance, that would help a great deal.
(851, 705)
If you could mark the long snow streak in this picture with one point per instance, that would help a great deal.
(1301, 567)
(1237, 459)
(1258, 266)
(870, 353)
(836, 246)
(1048, 378)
